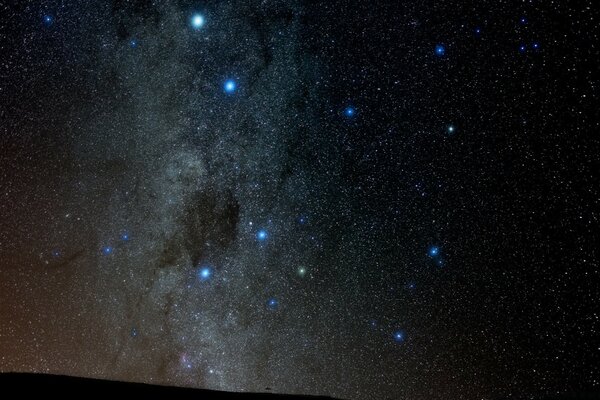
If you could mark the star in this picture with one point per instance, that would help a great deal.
(350, 111)
(434, 251)
(523, 20)
(440, 50)
(272, 303)
(535, 45)
(399, 336)
(48, 19)
(522, 48)
(107, 250)
(477, 31)
(56, 253)
(125, 236)
(133, 332)
(204, 273)
(262, 235)
(133, 43)
(197, 21)
(451, 129)
(301, 271)
(229, 86)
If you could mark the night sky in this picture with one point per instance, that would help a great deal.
(362, 199)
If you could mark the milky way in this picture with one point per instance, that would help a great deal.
(358, 200)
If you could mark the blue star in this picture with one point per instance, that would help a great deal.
(125, 236)
(302, 220)
(349, 111)
(434, 251)
(522, 48)
(229, 86)
(535, 45)
(411, 285)
(451, 128)
(133, 332)
(107, 250)
(523, 20)
(262, 235)
(48, 20)
(272, 303)
(399, 336)
(197, 21)
(440, 50)
(56, 253)
(477, 31)
(133, 43)
(204, 273)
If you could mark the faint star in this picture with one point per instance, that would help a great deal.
(440, 50)
(125, 236)
(522, 48)
(434, 251)
(399, 336)
(272, 303)
(107, 250)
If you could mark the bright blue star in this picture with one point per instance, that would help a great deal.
(107, 250)
(133, 43)
(302, 220)
(399, 336)
(522, 48)
(536, 45)
(204, 273)
(477, 31)
(125, 236)
(197, 21)
(272, 303)
(434, 251)
(440, 50)
(48, 19)
(523, 20)
(229, 86)
(262, 235)
(350, 112)
(451, 128)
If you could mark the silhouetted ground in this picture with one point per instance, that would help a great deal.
(22, 383)
(49, 385)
